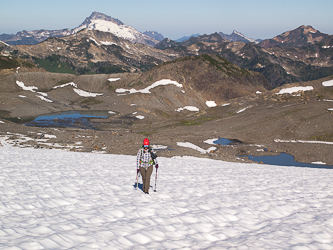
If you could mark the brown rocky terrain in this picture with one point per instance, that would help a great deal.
(303, 35)
(260, 121)
(91, 51)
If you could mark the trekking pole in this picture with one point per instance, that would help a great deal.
(155, 180)
(136, 186)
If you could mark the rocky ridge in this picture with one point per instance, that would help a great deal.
(301, 36)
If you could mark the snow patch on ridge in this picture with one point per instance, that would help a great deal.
(22, 85)
(66, 84)
(147, 90)
(189, 108)
(113, 79)
(85, 93)
(211, 104)
(328, 83)
(44, 99)
(294, 89)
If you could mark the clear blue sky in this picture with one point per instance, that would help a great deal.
(173, 18)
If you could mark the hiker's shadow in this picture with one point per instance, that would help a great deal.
(140, 186)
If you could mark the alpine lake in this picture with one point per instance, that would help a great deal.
(77, 119)
(282, 159)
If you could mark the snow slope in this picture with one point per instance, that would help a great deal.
(65, 200)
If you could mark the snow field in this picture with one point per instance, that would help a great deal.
(43, 97)
(61, 200)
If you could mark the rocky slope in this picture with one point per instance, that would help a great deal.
(262, 124)
(236, 36)
(302, 36)
(92, 51)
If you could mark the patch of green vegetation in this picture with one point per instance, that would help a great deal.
(217, 62)
(56, 64)
(162, 114)
(150, 78)
(14, 52)
(189, 123)
(110, 69)
(204, 118)
(25, 56)
(225, 66)
(61, 82)
(102, 68)
(111, 88)
(28, 64)
(325, 137)
(8, 63)
(20, 120)
(132, 84)
(91, 101)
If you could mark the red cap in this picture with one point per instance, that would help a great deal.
(145, 142)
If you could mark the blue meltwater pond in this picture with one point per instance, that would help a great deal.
(282, 159)
(80, 119)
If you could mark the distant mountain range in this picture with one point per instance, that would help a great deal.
(102, 44)
(102, 22)
(96, 21)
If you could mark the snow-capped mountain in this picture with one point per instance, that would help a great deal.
(237, 36)
(96, 21)
(102, 22)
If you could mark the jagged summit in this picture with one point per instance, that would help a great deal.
(100, 16)
(102, 22)
(154, 34)
(96, 21)
(97, 15)
(237, 36)
(303, 35)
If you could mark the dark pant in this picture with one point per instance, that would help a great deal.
(146, 173)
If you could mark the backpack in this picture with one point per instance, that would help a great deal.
(153, 155)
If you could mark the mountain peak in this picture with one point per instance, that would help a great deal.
(100, 16)
(301, 36)
(154, 34)
(104, 23)
(237, 36)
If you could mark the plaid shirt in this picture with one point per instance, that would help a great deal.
(143, 159)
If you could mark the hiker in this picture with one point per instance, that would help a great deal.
(145, 160)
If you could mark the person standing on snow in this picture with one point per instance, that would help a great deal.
(145, 161)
